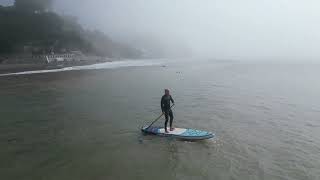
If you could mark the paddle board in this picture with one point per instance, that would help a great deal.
(181, 133)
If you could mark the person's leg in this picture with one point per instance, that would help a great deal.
(166, 114)
(171, 120)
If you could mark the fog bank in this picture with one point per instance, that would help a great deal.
(222, 29)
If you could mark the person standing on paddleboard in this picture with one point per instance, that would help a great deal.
(166, 109)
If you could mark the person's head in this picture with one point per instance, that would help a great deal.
(166, 92)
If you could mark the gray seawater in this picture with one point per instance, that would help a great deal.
(85, 124)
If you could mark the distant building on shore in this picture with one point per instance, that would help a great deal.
(70, 57)
(60, 58)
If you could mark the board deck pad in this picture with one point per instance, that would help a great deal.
(182, 133)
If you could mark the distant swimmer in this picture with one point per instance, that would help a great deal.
(166, 109)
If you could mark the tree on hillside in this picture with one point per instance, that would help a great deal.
(26, 29)
(33, 5)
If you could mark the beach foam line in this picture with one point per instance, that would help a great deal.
(106, 65)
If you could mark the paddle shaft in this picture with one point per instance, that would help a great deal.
(158, 118)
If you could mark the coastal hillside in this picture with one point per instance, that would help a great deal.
(30, 27)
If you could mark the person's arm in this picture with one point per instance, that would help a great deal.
(171, 99)
(161, 104)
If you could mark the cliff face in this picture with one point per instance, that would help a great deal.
(41, 31)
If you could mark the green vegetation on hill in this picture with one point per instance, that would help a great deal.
(30, 27)
(33, 5)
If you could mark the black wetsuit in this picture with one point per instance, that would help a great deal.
(166, 109)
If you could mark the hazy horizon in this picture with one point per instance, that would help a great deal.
(222, 29)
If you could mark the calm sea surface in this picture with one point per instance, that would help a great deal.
(85, 124)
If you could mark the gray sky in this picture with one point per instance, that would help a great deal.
(246, 29)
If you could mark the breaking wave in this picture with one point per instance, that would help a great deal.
(106, 65)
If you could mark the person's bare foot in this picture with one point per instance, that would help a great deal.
(171, 129)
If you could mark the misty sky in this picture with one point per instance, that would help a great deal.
(246, 29)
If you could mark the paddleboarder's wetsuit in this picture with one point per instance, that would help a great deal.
(166, 109)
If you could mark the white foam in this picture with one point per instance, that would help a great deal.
(106, 65)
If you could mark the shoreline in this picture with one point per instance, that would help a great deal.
(23, 69)
(17, 68)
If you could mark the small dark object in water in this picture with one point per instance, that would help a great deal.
(12, 140)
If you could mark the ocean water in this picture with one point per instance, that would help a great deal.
(84, 123)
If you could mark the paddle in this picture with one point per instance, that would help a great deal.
(158, 118)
